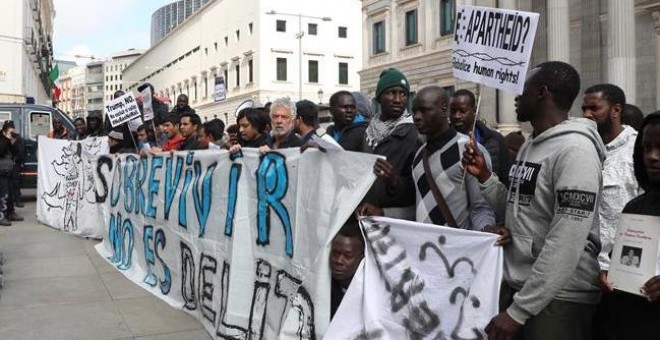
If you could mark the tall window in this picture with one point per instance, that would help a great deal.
(342, 32)
(343, 73)
(195, 91)
(311, 29)
(411, 27)
(250, 71)
(206, 86)
(379, 37)
(447, 9)
(313, 67)
(226, 74)
(238, 75)
(281, 69)
(280, 25)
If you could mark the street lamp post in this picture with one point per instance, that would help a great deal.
(299, 36)
(320, 93)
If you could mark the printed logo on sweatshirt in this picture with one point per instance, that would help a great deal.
(523, 178)
(576, 202)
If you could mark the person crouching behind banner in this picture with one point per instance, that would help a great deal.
(632, 316)
(346, 252)
(7, 144)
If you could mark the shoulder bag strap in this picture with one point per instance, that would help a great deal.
(437, 194)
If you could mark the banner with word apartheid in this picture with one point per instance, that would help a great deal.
(493, 46)
(66, 193)
(240, 244)
(421, 281)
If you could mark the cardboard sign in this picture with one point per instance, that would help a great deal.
(243, 244)
(493, 46)
(122, 109)
(421, 281)
(66, 185)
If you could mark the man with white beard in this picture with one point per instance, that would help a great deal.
(283, 115)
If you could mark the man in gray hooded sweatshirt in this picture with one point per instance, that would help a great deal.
(551, 209)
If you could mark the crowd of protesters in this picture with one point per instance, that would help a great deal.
(554, 197)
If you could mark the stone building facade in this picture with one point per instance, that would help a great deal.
(614, 41)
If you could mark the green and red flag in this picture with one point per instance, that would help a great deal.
(54, 77)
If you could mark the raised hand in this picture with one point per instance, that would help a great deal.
(474, 161)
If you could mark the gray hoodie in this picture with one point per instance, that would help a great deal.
(551, 209)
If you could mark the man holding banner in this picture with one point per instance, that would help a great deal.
(551, 268)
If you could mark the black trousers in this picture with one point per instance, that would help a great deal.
(15, 190)
(6, 204)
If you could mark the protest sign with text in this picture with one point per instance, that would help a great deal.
(493, 46)
(122, 109)
(421, 281)
(66, 185)
(240, 244)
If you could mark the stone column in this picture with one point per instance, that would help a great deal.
(621, 70)
(558, 29)
(656, 23)
(507, 112)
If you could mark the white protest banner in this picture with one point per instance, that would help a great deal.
(421, 281)
(66, 194)
(147, 106)
(492, 46)
(220, 89)
(122, 109)
(242, 245)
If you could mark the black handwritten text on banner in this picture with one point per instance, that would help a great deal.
(242, 245)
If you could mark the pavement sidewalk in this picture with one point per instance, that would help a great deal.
(58, 287)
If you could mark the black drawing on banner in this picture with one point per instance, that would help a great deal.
(486, 57)
(451, 269)
(291, 289)
(370, 335)
(77, 181)
(287, 287)
(478, 335)
(404, 284)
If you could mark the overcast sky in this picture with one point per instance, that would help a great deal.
(102, 27)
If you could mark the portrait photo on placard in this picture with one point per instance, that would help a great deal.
(631, 256)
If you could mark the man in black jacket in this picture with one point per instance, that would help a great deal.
(391, 133)
(18, 152)
(182, 105)
(349, 127)
(462, 117)
(190, 122)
